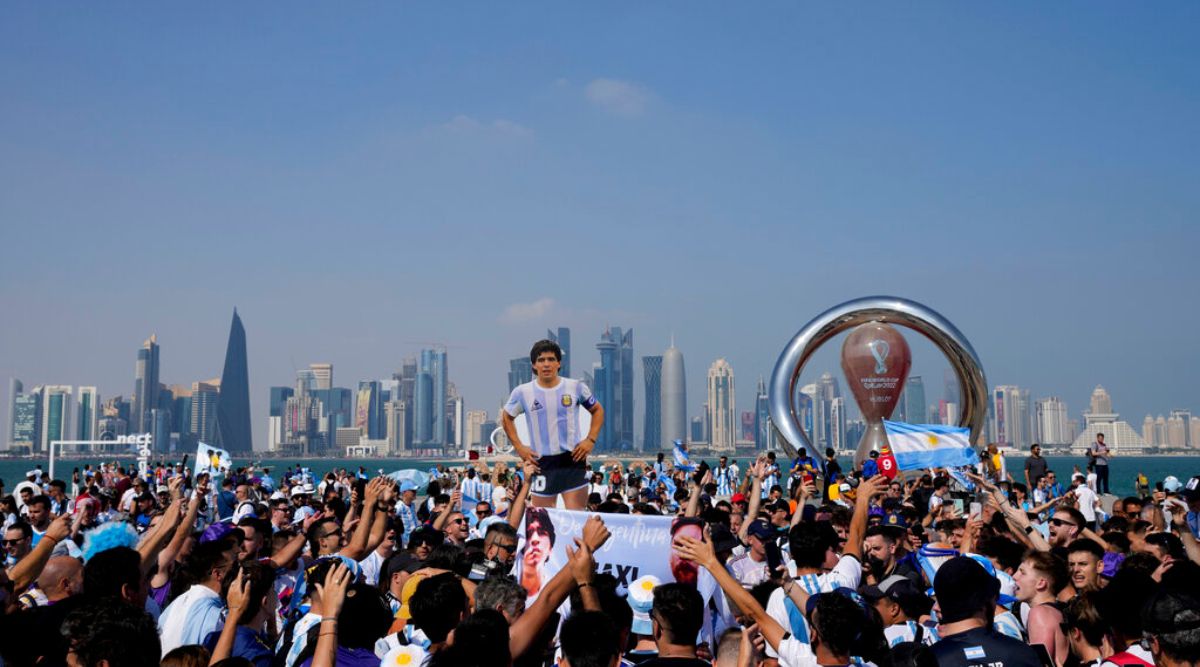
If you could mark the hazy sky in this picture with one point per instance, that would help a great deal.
(357, 180)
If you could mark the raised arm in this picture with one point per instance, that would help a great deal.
(27, 570)
(517, 512)
(807, 490)
(239, 594)
(701, 552)
(439, 524)
(867, 489)
(758, 472)
(357, 548)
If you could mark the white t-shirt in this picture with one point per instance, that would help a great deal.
(846, 574)
(747, 571)
(935, 504)
(1087, 502)
(552, 414)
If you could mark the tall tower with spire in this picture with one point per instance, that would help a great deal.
(674, 397)
(233, 407)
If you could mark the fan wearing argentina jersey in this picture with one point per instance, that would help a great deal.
(818, 567)
(557, 449)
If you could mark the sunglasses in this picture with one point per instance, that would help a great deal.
(333, 533)
(1059, 522)
(459, 520)
(12, 543)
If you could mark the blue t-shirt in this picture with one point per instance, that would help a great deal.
(226, 502)
(870, 468)
(247, 644)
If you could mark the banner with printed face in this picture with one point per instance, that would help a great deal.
(640, 545)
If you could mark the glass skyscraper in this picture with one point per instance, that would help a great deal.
(145, 386)
(652, 424)
(520, 371)
(233, 408)
(563, 338)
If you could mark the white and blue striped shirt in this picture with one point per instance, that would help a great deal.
(472, 491)
(552, 414)
(726, 479)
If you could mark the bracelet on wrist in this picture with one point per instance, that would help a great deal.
(329, 619)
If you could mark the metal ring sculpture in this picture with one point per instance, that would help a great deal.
(892, 310)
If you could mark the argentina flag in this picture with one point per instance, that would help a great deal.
(920, 446)
(682, 462)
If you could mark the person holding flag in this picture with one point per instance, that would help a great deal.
(551, 407)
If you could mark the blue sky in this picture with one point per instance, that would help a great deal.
(356, 180)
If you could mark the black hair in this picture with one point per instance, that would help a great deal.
(839, 621)
(42, 500)
(23, 526)
(912, 654)
(365, 617)
(108, 571)
(1141, 561)
(886, 532)
(114, 631)
(260, 579)
(480, 640)
(1173, 618)
(1121, 602)
(188, 655)
(810, 541)
(1086, 546)
(543, 346)
(1169, 543)
(448, 556)
(315, 531)
(198, 564)
(1006, 552)
(683, 609)
(939, 483)
(500, 529)
(438, 605)
(589, 639)
(540, 517)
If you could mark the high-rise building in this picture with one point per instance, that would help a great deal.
(950, 388)
(721, 406)
(563, 338)
(697, 428)
(408, 385)
(56, 415)
(652, 367)
(206, 399)
(279, 397)
(1053, 426)
(614, 383)
(1186, 417)
(1118, 435)
(15, 388)
(1101, 402)
(837, 426)
(145, 385)
(746, 422)
(520, 371)
(674, 399)
(827, 389)
(368, 410)
(914, 401)
(1176, 432)
(762, 417)
(456, 419)
(1148, 431)
(1194, 433)
(1010, 411)
(322, 375)
(475, 421)
(430, 397)
(394, 416)
(233, 410)
(88, 411)
(1160, 431)
(27, 420)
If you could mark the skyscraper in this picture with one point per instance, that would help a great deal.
(1053, 427)
(15, 388)
(563, 338)
(431, 398)
(1010, 410)
(652, 367)
(762, 417)
(145, 386)
(605, 391)
(520, 371)
(614, 382)
(88, 408)
(56, 415)
(322, 375)
(408, 389)
(721, 406)
(1186, 417)
(27, 420)
(674, 399)
(206, 399)
(697, 427)
(233, 408)
(475, 421)
(914, 401)
(368, 410)
(394, 416)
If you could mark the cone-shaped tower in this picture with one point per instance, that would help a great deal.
(233, 408)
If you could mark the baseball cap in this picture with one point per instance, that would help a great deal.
(738, 498)
(893, 587)
(641, 600)
(761, 529)
(407, 486)
(1191, 490)
(298, 490)
(1171, 484)
(406, 594)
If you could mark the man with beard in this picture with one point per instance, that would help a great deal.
(881, 549)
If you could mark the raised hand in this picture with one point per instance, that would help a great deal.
(59, 528)
(333, 590)
(530, 467)
(698, 551)
(238, 597)
(581, 562)
(595, 533)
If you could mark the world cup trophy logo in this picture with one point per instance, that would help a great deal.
(875, 360)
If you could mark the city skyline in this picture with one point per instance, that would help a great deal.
(718, 173)
(389, 411)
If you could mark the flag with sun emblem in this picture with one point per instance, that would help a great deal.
(921, 446)
(212, 460)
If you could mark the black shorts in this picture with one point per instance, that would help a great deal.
(559, 474)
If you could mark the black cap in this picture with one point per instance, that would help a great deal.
(963, 589)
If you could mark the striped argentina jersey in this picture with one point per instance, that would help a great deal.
(726, 479)
(552, 415)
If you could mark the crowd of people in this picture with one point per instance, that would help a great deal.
(797, 563)
(815, 567)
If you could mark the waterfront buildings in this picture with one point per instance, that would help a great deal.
(145, 385)
(652, 367)
(1118, 435)
(1053, 426)
(563, 338)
